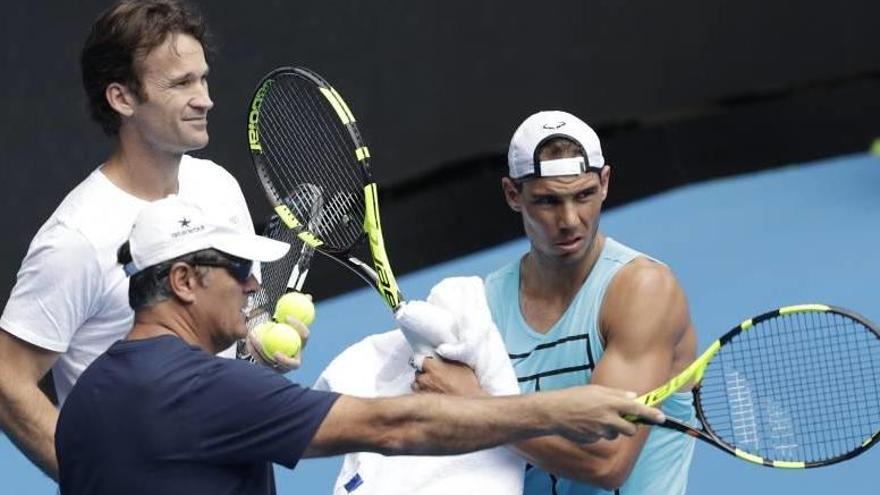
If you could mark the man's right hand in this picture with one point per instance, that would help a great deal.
(589, 413)
(279, 362)
(439, 375)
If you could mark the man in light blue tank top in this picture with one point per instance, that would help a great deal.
(580, 308)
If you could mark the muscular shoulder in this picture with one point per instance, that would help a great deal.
(644, 302)
(642, 278)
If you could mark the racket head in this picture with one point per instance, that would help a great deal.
(797, 387)
(310, 158)
(315, 169)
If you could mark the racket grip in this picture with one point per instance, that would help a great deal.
(421, 347)
(425, 327)
(642, 399)
(419, 357)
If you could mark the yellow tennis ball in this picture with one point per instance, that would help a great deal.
(279, 337)
(297, 305)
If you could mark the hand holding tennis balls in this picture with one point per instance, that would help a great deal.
(280, 342)
(296, 305)
(278, 338)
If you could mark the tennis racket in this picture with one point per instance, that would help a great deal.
(797, 387)
(315, 169)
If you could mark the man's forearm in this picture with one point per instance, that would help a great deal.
(426, 424)
(436, 425)
(598, 463)
(29, 419)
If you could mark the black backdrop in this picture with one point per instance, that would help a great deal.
(680, 91)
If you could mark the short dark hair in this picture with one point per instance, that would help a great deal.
(559, 147)
(150, 285)
(120, 38)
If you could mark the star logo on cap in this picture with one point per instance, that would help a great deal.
(184, 222)
(557, 125)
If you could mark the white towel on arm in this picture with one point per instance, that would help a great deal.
(379, 366)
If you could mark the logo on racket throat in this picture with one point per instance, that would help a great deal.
(254, 117)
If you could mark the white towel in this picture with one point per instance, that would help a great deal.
(379, 366)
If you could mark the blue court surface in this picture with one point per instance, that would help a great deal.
(805, 233)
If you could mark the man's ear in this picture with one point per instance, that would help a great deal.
(604, 179)
(183, 279)
(120, 98)
(512, 195)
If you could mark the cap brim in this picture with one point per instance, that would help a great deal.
(249, 247)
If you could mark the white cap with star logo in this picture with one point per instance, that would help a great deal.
(171, 227)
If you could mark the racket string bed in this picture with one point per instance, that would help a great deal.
(306, 144)
(322, 215)
(343, 182)
(316, 145)
(804, 389)
(815, 387)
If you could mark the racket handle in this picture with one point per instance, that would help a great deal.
(421, 348)
(643, 399)
(425, 327)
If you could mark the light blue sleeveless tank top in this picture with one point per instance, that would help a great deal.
(565, 357)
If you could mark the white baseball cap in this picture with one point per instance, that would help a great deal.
(171, 227)
(522, 156)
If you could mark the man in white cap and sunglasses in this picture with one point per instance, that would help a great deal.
(160, 413)
(580, 308)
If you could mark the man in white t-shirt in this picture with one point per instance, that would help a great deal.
(145, 75)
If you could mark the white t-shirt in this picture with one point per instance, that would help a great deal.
(71, 295)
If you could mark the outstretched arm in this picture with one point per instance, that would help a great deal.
(433, 424)
(26, 414)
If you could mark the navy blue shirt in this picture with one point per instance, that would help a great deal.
(160, 416)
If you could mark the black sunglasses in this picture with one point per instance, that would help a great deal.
(240, 269)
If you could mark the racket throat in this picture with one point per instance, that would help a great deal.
(384, 282)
